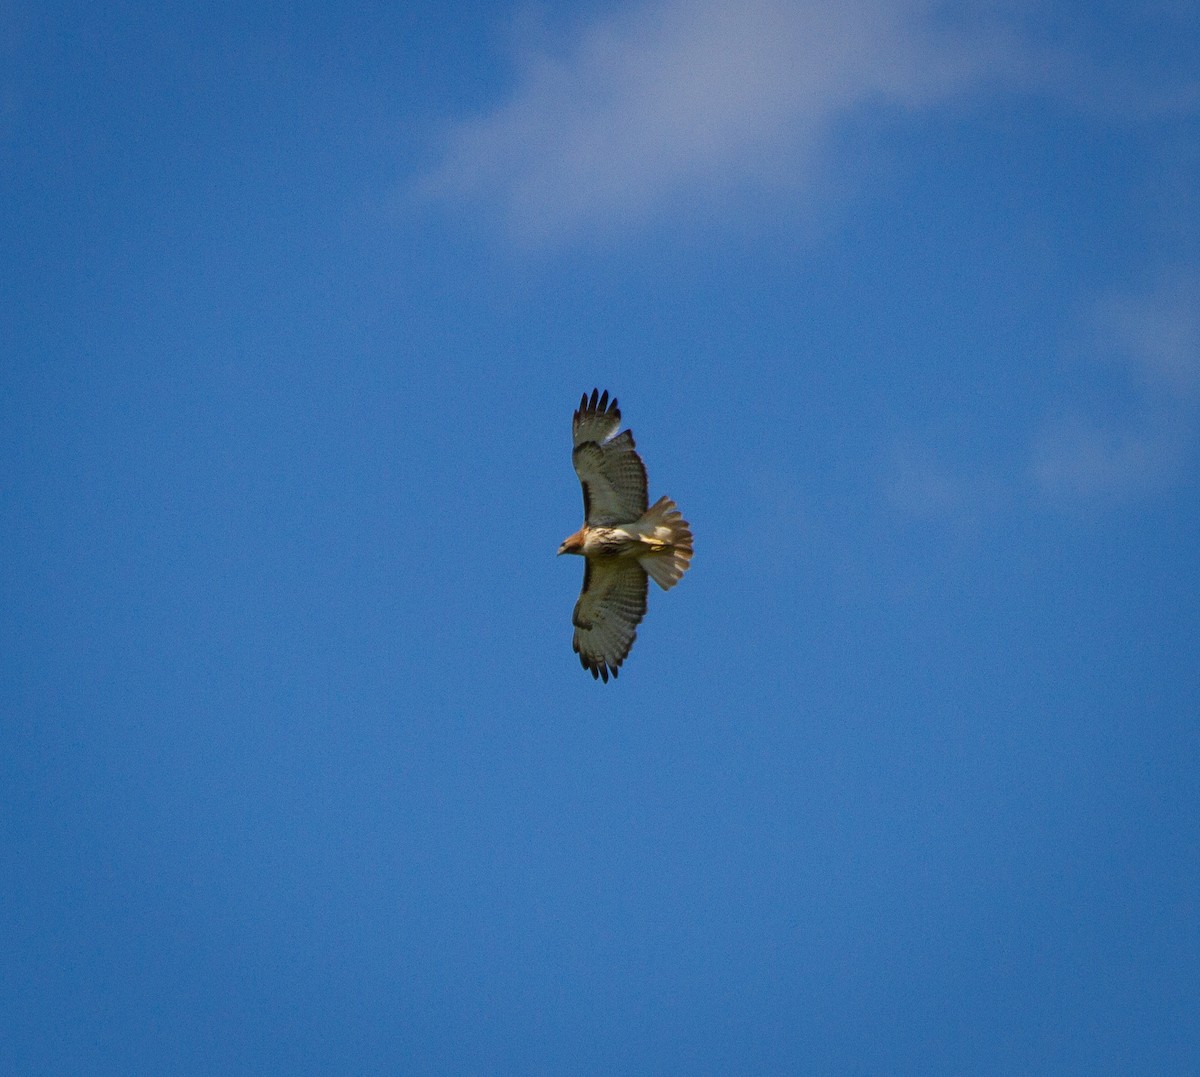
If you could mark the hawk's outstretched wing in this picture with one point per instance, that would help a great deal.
(609, 469)
(610, 607)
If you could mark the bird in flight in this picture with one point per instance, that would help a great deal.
(622, 541)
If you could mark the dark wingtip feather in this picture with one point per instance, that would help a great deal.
(599, 403)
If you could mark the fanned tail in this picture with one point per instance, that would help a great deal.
(669, 538)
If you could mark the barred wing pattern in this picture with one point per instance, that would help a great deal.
(610, 607)
(610, 471)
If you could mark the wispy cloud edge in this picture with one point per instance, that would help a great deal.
(1153, 336)
(661, 100)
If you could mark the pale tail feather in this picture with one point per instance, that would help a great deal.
(665, 530)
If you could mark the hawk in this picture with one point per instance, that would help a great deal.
(622, 541)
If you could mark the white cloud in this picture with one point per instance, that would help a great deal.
(1158, 331)
(1077, 458)
(1153, 337)
(1130, 431)
(682, 96)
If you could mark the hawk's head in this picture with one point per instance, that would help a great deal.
(572, 544)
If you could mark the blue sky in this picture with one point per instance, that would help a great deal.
(298, 773)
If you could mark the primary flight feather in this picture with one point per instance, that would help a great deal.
(624, 543)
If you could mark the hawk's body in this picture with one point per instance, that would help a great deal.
(623, 541)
